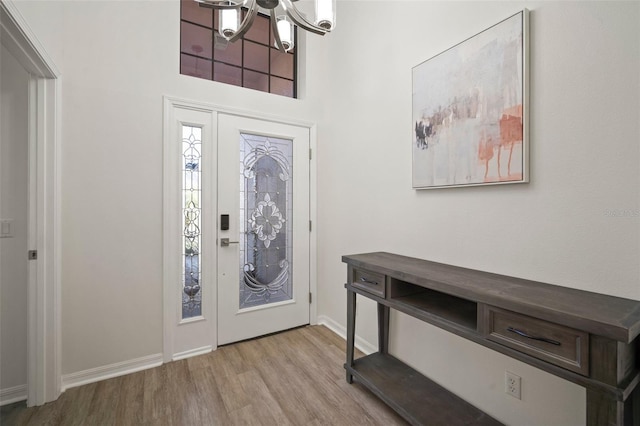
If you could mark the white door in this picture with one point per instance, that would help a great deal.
(263, 256)
(14, 212)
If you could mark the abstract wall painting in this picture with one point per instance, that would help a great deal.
(470, 110)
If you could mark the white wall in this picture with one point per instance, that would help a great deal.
(14, 82)
(585, 82)
(117, 60)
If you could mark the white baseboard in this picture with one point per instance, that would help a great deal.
(14, 394)
(109, 371)
(192, 352)
(366, 347)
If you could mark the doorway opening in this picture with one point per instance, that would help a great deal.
(43, 299)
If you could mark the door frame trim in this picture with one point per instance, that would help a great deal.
(171, 102)
(44, 341)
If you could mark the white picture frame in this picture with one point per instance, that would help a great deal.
(470, 110)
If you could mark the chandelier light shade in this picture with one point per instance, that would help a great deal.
(229, 22)
(233, 28)
(285, 32)
(325, 14)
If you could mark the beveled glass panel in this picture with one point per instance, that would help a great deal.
(281, 64)
(280, 86)
(227, 74)
(195, 40)
(259, 30)
(192, 12)
(256, 56)
(196, 67)
(191, 211)
(231, 54)
(266, 220)
(256, 80)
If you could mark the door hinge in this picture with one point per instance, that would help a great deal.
(33, 254)
(310, 226)
(310, 153)
(310, 298)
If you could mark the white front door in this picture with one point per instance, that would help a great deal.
(263, 256)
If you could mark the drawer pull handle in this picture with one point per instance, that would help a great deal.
(541, 339)
(364, 280)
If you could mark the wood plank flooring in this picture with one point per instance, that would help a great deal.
(291, 378)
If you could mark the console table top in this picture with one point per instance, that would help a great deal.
(609, 316)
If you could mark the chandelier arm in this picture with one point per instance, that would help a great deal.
(216, 4)
(276, 34)
(300, 20)
(248, 20)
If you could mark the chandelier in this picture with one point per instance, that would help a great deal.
(284, 15)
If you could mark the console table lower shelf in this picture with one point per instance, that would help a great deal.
(417, 399)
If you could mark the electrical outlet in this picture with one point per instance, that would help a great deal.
(512, 384)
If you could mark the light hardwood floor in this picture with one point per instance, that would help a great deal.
(291, 378)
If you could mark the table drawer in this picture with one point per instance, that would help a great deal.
(554, 343)
(372, 282)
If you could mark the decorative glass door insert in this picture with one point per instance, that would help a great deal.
(266, 220)
(191, 210)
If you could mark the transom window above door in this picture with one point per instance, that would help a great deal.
(253, 61)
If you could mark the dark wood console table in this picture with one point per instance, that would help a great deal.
(587, 338)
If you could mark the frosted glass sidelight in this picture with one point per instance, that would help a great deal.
(191, 211)
(266, 226)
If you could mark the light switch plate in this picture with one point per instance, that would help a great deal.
(6, 228)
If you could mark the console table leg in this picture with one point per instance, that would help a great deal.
(383, 328)
(351, 330)
(634, 411)
(602, 410)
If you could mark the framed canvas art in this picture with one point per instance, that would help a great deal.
(470, 110)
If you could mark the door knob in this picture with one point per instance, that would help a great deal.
(224, 242)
